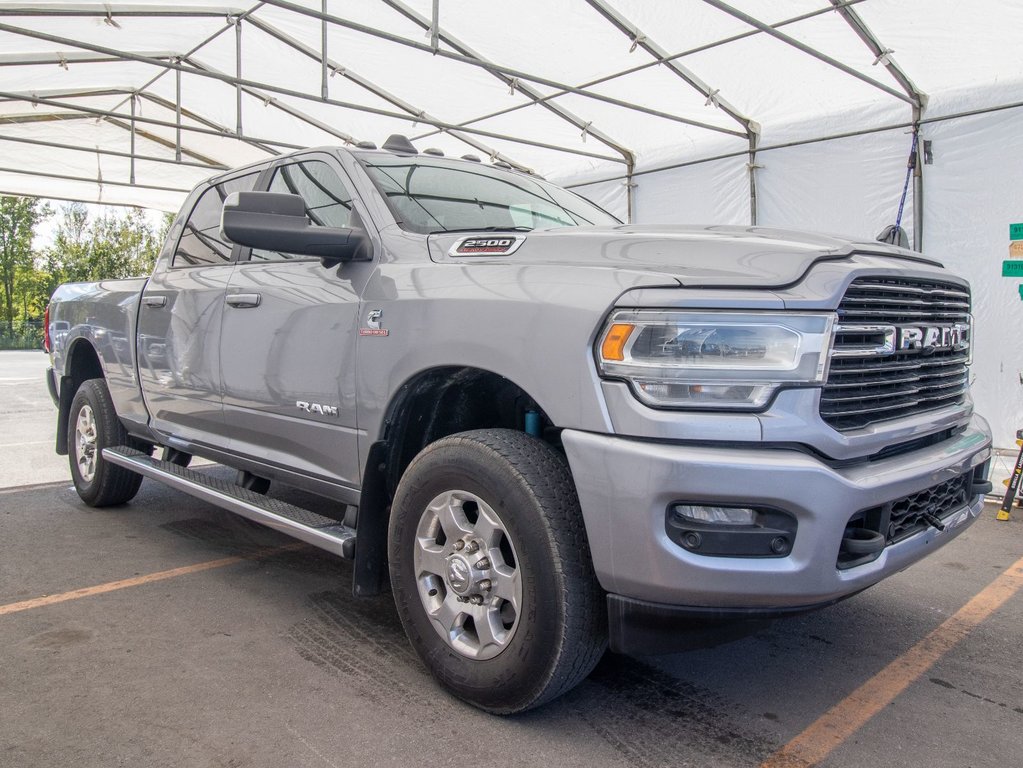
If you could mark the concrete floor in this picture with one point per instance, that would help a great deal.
(269, 661)
(28, 419)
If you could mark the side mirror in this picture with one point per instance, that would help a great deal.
(277, 222)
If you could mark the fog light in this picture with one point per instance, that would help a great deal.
(716, 530)
(717, 515)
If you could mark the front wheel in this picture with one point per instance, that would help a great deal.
(93, 425)
(491, 570)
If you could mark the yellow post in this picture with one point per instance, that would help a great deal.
(1012, 482)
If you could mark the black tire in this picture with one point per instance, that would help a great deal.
(559, 631)
(98, 482)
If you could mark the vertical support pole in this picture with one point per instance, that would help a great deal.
(324, 74)
(918, 184)
(435, 26)
(754, 139)
(238, 71)
(131, 159)
(177, 114)
(630, 185)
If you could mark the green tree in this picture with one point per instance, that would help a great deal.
(109, 247)
(18, 219)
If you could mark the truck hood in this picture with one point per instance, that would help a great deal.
(711, 256)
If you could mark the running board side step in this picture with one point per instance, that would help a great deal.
(323, 532)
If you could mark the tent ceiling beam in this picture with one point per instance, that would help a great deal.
(652, 64)
(108, 10)
(373, 88)
(527, 90)
(587, 128)
(641, 40)
(101, 182)
(110, 114)
(171, 65)
(690, 78)
(807, 49)
(881, 54)
(487, 65)
(270, 101)
(212, 165)
(46, 97)
(180, 111)
(177, 82)
(63, 59)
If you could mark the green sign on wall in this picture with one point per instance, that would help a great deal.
(1013, 268)
(1016, 231)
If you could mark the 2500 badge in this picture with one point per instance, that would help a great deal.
(487, 246)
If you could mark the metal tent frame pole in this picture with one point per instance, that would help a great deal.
(112, 152)
(232, 81)
(713, 96)
(918, 101)
(376, 90)
(531, 93)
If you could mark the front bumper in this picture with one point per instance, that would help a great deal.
(626, 486)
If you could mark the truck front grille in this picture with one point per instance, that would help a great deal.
(901, 348)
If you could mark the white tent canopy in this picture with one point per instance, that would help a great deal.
(797, 113)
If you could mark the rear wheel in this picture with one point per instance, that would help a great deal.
(491, 570)
(93, 425)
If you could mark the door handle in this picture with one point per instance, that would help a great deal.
(243, 300)
(155, 301)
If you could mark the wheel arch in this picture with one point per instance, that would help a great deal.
(433, 404)
(83, 363)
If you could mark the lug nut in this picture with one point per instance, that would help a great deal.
(473, 547)
(476, 599)
(485, 585)
(483, 564)
(459, 545)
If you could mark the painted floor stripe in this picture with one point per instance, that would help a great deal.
(137, 581)
(822, 737)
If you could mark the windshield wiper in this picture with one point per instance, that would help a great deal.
(481, 229)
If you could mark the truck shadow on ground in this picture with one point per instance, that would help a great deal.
(648, 717)
(644, 715)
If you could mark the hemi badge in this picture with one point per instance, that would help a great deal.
(373, 331)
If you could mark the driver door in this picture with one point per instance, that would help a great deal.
(288, 340)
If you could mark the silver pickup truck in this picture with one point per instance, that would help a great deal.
(546, 431)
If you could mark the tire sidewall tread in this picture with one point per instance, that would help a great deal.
(562, 632)
(111, 484)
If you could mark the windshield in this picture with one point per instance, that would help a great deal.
(430, 195)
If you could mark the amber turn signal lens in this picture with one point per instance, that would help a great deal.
(613, 346)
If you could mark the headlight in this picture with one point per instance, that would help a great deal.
(713, 359)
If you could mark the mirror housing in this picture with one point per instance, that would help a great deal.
(278, 222)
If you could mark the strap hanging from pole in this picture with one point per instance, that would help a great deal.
(909, 174)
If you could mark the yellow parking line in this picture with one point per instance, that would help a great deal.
(852, 713)
(137, 581)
